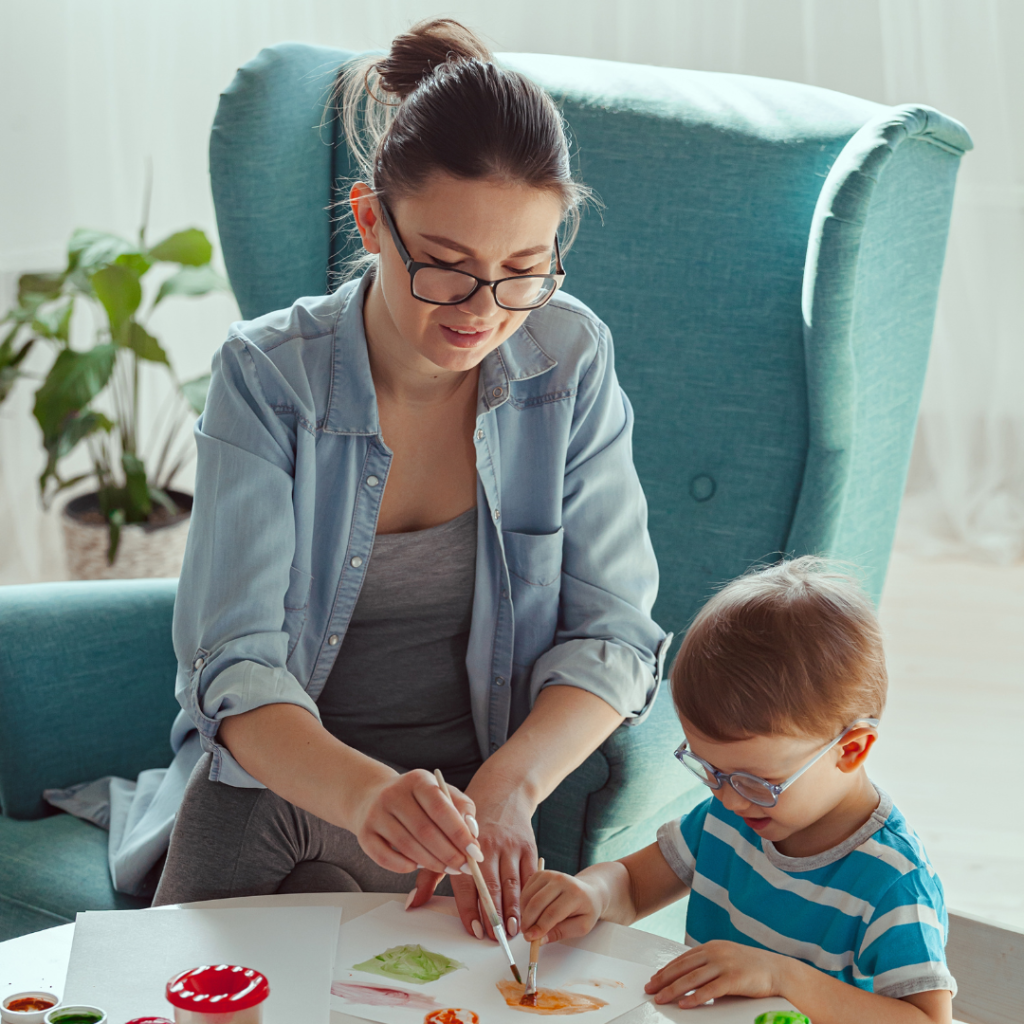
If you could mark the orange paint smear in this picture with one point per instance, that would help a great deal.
(452, 1015)
(549, 1001)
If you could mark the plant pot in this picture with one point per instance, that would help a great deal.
(148, 549)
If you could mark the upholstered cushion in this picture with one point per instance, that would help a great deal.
(86, 685)
(50, 869)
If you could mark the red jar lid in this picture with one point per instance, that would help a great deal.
(217, 989)
(150, 1020)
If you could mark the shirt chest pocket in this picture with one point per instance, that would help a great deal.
(535, 573)
(296, 603)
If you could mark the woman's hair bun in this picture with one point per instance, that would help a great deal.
(415, 54)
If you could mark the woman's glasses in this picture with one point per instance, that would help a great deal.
(752, 787)
(443, 287)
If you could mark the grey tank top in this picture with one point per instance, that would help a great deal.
(398, 690)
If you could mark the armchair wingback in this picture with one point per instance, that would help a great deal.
(768, 258)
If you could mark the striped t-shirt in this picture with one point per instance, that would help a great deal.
(870, 911)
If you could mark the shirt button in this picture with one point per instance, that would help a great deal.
(497, 514)
(497, 392)
(198, 663)
(372, 481)
(356, 562)
(498, 681)
(479, 435)
(494, 747)
(333, 639)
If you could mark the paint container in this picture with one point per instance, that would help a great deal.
(79, 1013)
(27, 1007)
(150, 1020)
(221, 994)
(781, 1017)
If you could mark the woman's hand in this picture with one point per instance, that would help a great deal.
(405, 821)
(510, 857)
(558, 906)
(715, 969)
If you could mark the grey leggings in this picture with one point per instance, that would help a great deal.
(248, 842)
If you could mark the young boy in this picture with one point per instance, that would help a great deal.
(805, 881)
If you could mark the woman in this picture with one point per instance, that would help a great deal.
(418, 539)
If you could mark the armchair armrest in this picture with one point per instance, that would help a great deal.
(86, 685)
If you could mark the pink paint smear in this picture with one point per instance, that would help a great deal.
(375, 995)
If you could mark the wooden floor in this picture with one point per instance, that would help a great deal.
(951, 751)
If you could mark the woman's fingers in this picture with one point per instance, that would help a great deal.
(426, 883)
(508, 872)
(445, 814)
(468, 905)
(377, 849)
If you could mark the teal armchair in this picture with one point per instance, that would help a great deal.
(768, 258)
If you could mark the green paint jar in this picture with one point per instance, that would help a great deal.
(80, 1014)
(781, 1017)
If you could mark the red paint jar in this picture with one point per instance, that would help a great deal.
(218, 994)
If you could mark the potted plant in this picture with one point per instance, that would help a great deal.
(131, 523)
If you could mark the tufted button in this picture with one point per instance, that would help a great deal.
(479, 435)
(498, 681)
(356, 562)
(702, 487)
(198, 664)
(372, 481)
(333, 639)
(497, 392)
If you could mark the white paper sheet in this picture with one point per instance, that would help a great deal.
(121, 960)
(618, 983)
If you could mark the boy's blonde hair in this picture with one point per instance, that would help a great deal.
(792, 649)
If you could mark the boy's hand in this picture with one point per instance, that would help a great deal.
(716, 969)
(558, 906)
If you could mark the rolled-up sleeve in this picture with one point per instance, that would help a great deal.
(606, 641)
(229, 635)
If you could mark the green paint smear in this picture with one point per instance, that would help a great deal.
(410, 963)
(77, 1018)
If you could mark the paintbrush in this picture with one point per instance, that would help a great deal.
(530, 995)
(485, 896)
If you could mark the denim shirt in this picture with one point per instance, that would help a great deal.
(291, 470)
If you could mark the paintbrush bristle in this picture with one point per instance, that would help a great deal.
(516, 974)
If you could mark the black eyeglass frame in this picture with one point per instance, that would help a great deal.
(412, 266)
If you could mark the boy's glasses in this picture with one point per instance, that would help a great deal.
(752, 787)
(440, 286)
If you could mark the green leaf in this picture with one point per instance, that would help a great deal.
(190, 247)
(142, 343)
(119, 290)
(195, 392)
(54, 321)
(73, 430)
(73, 381)
(89, 251)
(136, 262)
(116, 520)
(192, 281)
(162, 498)
(48, 286)
(137, 504)
(10, 360)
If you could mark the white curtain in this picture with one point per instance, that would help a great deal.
(90, 91)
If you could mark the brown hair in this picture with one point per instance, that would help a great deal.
(794, 648)
(438, 102)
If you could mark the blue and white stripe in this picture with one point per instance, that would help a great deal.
(870, 911)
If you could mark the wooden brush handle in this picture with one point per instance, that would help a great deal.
(481, 886)
(535, 945)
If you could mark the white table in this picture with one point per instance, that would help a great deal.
(40, 960)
